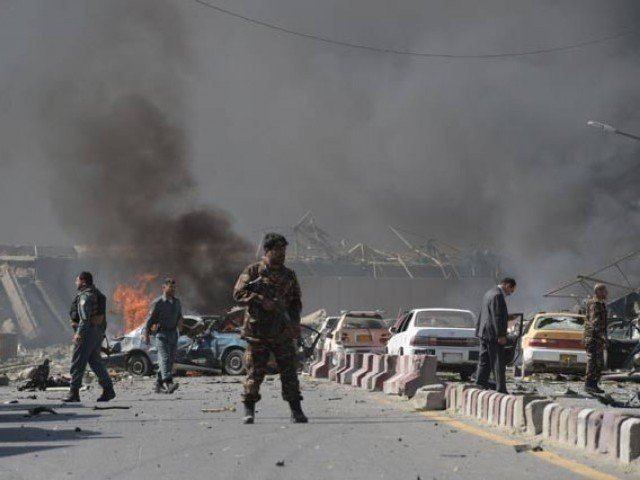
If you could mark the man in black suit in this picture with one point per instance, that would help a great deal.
(491, 329)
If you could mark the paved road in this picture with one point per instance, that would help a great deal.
(353, 435)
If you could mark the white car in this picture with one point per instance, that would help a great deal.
(447, 333)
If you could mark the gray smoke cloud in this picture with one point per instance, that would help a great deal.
(489, 153)
(115, 131)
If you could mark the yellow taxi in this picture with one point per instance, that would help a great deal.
(553, 342)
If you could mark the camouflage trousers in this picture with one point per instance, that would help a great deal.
(257, 358)
(595, 358)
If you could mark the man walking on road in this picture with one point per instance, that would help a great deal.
(88, 319)
(595, 337)
(491, 329)
(271, 293)
(166, 313)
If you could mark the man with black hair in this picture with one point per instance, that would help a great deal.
(271, 293)
(166, 315)
(88, 319)
(491, 329)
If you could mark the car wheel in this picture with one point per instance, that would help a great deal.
(233, 362)
(138, 364)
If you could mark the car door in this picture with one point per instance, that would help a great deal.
(392, 344)
(403, 334)
(623, 338)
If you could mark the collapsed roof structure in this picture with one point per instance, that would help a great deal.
(314, 252)
(617, 275)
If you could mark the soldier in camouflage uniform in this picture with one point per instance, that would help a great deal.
(595, 337)
(271, 293)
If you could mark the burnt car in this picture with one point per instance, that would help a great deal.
(208, 343)
(623, 351)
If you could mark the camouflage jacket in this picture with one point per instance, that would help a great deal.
(595, 326)
(258, 281)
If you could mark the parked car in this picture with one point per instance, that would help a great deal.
(623, 352)
(327, 328)
(207, 343)
(447, 333)
(554, 342)
(360, 331)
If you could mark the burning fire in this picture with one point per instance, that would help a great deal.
(133, 301)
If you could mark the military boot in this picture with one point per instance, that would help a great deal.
(297, 416)
(171, 386)
(73, 397)
(159, 388)
(249, 413)
(107, 394)
(592, 388)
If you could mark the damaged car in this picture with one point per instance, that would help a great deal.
(206, 344)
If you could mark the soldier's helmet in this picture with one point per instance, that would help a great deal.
(274, 240)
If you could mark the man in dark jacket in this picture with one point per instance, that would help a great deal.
(491, 329)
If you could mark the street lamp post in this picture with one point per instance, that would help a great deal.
(609, 129)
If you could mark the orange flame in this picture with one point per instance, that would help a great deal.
(133, 301)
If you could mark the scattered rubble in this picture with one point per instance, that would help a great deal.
(33, 412)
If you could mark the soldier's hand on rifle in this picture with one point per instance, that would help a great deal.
(268, 304)
(502, 340)
(77, 339)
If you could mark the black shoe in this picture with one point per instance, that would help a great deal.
(159, 388)
(482, 386)
(171, 386)
(73, 397)
(297, 416)
(593, 389)
(107, 394)
(249, 413)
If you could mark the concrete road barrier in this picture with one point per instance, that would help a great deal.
(421, 371)
(392, 385)
(613, 433)
(389, 370)
(377, 366)
(356, 364)
(341, 363)
(430, 397)
(320, 369)
(367, 365)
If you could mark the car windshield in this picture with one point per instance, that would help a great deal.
(445, 319)
(362, 322)
(560, 322)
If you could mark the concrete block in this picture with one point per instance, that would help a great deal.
(547, 426)
(483, 403)
(594, 425)
(554, 432)
(356, 363)
(582, 422)
(376, 367)
(629, 440)
(521, 401)
(421, 371)
(320, 369)
(429, 400)
(460, 395)
(389, 370)
(391, 386)
(502, 417)
(510, 413)
(609, 442)
(572, 427)
(534, 415)
(367, 365)
(563, 425)
(494, 408)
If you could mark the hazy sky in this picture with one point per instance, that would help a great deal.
(476, 152)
